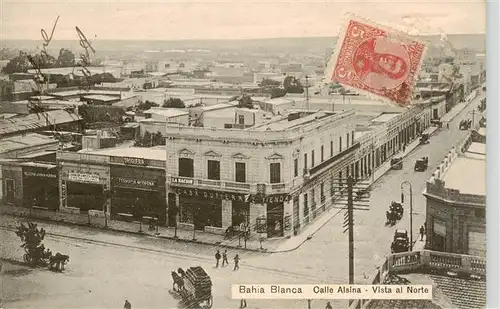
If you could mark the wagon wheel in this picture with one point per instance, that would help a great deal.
(26, 258)
(210, 302)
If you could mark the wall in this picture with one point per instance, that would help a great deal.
(16, 174)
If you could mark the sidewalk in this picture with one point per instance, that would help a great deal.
(278, 245)
(252, 244)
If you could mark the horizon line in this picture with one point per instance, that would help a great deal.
(229, 39)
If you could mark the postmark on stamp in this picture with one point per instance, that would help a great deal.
(376, 61)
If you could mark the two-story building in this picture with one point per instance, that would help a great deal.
(456, 200)
(275, 177)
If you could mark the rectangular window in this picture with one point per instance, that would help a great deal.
(347, 141)
(240, 172)
(295, 167)
(186, 167)
(312, 158)
(305, 160)
(332, 186)
(331, 148)
(241, 119)
(213, 170)
(275, 172)
(352, 137)
(306, 206)
(340, 180)
(322, 153)
(340, 143)
(322, 192)
(313, 199)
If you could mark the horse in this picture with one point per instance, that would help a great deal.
(58, 261)
(178, 281)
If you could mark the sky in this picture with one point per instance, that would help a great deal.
(185, 20)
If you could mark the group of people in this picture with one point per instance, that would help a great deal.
(225, 261)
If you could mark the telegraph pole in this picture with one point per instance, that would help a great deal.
(349, 227)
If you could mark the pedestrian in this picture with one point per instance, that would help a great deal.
(243, 303)
(127, 305)
(236, 262)
(224, 258)
(404, 147)
(422, 231)
(328, 306)
(217, 258)
(447, 126)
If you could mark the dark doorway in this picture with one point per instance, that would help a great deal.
(275, 213)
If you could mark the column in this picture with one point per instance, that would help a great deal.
(288, 213)
(256, 210)
(227, 214)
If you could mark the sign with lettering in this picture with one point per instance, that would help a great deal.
(185, 181)
(39, 174)
(63, 193)
(83, 177)
(134, 182)
(218, 195)
(134, 161)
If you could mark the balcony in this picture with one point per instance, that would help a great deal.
(424, 261)
(274, 188)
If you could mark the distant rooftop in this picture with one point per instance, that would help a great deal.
(132, 152)
(101, 97)
(167, 112)
(36, 121)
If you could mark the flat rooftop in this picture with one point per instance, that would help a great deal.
(13, 143)
(284, 124)
(167, 112)
(101, 97)
(468, 175)
(132, 152)
(385, 117)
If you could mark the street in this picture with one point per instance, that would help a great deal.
(102, 274)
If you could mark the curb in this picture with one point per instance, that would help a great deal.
(66, 223)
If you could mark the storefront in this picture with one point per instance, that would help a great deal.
(41, 186)
(138, 191)
(84, 186)
(207, 208)
(12, 185)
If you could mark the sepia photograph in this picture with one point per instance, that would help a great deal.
(199, 154)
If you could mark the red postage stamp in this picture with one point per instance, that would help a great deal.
(379, 62)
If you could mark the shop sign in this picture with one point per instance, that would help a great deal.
(217, 195)
(83, 177)
(184, 181)
(63, 193)
(134, 161)
(135, 182)
(37, 174)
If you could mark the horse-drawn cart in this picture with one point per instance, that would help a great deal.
(194, 286)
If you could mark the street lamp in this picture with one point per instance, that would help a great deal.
(473, 112)
(411, 209)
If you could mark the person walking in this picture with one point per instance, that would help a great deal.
(236, 262)
(127, 305)
(422, 232)
(243, 303)
(447, 126)
(224, 258)
(217, 258)
(328, 306)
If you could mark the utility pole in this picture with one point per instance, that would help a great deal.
(411, 209)
(349, 227)
(307, 92)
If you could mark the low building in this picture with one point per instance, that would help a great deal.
(275, 178)
(124, 182)
(456, 201)
(16, 155)
(52, 120)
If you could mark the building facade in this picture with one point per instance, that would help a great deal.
(274, 178)
(456, 205)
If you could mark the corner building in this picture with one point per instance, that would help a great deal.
(275, 175)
